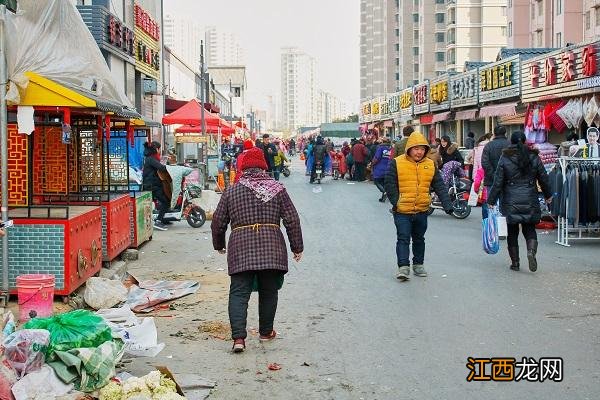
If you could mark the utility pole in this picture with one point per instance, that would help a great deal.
(202, 119)
(4, 153)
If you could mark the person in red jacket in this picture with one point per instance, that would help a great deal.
(359, 155)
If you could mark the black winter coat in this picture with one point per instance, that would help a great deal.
(517, 191)
(490, 156)
(150, 179)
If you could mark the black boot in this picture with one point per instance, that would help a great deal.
(382, 198)
(532, 246)
(513, 252)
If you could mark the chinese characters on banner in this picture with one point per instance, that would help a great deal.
(563, 68)
(120, 36)
(144, 21)
(439, 92)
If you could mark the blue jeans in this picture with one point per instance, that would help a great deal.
(410, 226)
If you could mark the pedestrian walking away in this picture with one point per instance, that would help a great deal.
(515, 184)
(257, 255)
(360, 154)
(380, 163)
(151, 181)
(400, 146)
(407, 184)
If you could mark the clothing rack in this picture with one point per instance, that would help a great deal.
(564, 230)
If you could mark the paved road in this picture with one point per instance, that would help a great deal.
(365, 335)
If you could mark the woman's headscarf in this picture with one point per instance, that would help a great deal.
(256, 179)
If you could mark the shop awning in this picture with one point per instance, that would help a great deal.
(426, 119)
(370, 126)
(466, 114)
(388, 124)
(44, 92)
(498, 110)
(189, 114)
(441, 117)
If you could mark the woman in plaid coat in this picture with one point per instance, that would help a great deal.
(257, 253)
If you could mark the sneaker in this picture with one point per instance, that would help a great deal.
(269, 337)
(403, 273)
(419, 270)
(160, 226)
(239, 345)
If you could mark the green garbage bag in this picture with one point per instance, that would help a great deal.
(73, 330)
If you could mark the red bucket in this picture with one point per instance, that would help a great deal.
(35, 294)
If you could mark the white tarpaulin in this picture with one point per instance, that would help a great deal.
(49, 38)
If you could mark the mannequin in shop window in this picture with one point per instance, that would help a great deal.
(592, 148)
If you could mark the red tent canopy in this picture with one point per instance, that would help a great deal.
(189, 114)
(241, 124)
(210, 129)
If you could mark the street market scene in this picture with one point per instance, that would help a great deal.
(234, 200)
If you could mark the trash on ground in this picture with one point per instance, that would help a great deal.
(8, 324)
(139, 335)
(274, 367)
(152, 386)
(444, 276)
(73, 330)
(146, 294)
(89, 369)
(317, 189)
(24, 350)
(216, 329)
(220, 269)
(305, 364)
(41, 384)
(104, 293)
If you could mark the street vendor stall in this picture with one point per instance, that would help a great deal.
(561, 91)
(64, 170)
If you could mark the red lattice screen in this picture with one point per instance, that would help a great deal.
(17, 167)
(50, 162)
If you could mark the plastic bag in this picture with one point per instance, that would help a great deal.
(104, 293)
(8, 377)
(24, 350)
(42, 384)
(72, 330)
(491, 241)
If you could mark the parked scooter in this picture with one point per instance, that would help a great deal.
(285, 170)
(458, 191)
(185, 209)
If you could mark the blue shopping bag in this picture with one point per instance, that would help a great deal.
(490, 239)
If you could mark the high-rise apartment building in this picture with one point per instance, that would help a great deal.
(329, 108)
(222, 48)
(298, 89)
(591, 19)
(551, 23)
(183, 37)
(379, 47)
(477, 30)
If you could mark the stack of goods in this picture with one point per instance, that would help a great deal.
(548, 154)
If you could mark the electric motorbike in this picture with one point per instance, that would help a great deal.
(318, 171)
(459, 191)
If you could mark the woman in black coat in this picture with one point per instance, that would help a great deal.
(515, 183)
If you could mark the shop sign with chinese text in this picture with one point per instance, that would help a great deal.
(572, 71)
(147, 35)
(464, 89)
(439, 95)
(406, 102)
(421, 98)
(393, 103)
(500, 80)
(366, 110)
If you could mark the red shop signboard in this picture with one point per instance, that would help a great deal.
(569, 72)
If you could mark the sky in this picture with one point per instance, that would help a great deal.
(329, 30)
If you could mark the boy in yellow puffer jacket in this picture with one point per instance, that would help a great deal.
(407, 183)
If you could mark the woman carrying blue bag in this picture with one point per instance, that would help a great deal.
(519, 171)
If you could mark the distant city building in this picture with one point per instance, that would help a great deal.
(222, 48)
(183, 37)
(298, 89)
(329, 107)
(551, 24)
(379, 47)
